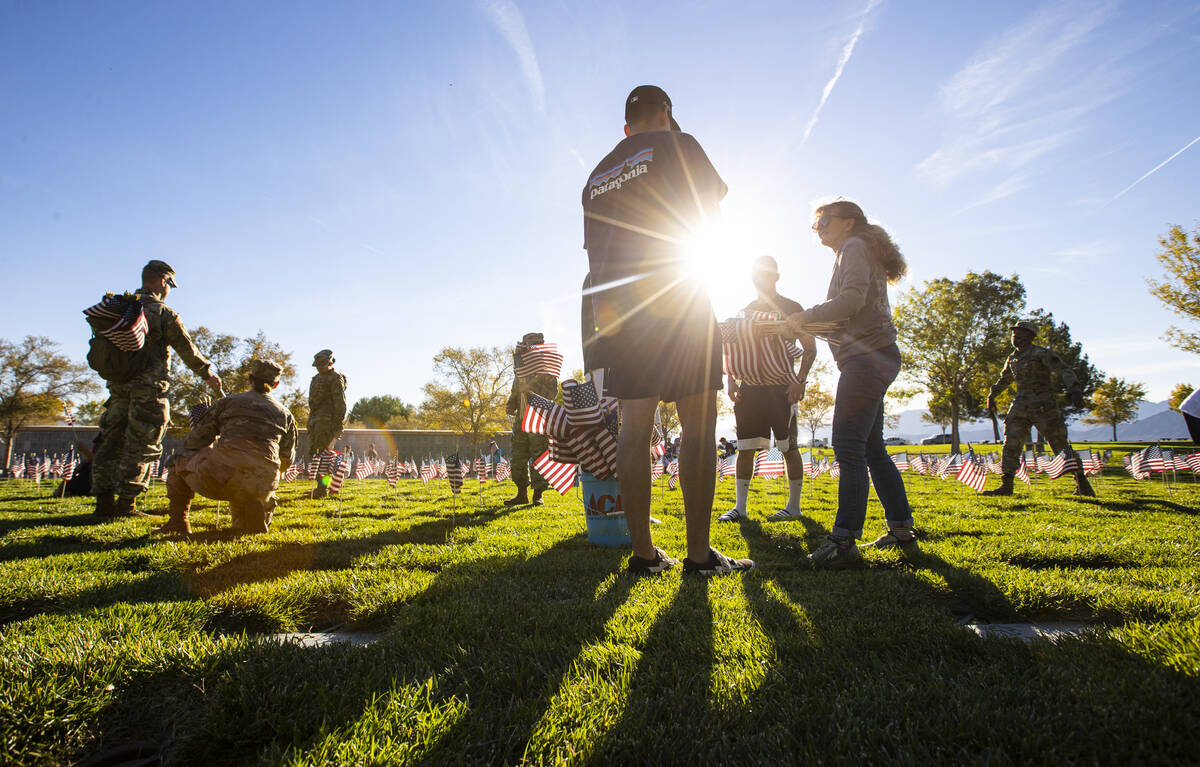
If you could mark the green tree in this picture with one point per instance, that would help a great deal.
(1179, 394)
(230, 357)
(1180, 288)
(955, 335)
(897, 397)
(1114, 402)
(89, 412)
(377, 411)
(469, 393)
(813, 411)
(35, 382)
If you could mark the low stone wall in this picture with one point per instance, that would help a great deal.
(406, 443)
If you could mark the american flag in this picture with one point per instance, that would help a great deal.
(727, 466)
(153, 470)
(503, 470)
(1153, 457)
(326, 461)
(314, 465)
(392, 472)
(363, 469)
(18, 467)
(1193, 462)
(992, 463)
(539, 359)
(951, 466)
(901, 461)
(769, 463)
(67, 414)
(835, 470)
(197, 412)
(757, 360)
(561, 476)
(1063, 463)
(128, 327)
(808, 464)
(56, 466)
(917, 463)
(339, 475)
(972, 475)
(1136, 466)
(543, 416)
(672, 480)
(482, 469)
(1031, 461)
(428, 472)
(582, 404)
(454, 472)
(1023, 473)
(656, 469)
(292, 472)
(440, 469)
(1181, 463)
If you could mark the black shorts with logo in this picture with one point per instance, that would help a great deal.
(761, 411)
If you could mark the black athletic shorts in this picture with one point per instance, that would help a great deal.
(664, 358)
(760, 411)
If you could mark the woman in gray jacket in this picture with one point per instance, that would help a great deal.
(863, 342)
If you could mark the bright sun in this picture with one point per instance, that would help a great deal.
(719, 257)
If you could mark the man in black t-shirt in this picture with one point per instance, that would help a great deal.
(759, 410)
(657, 335)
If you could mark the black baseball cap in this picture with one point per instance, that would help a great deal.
(650, 94)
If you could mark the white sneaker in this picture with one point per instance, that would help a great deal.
(733, 515)
(783, 515)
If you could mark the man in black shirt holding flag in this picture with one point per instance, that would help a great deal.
(657, 334)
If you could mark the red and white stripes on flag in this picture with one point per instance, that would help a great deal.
(339, 475)
(121, 320)
(67, 414)
(543, 416)
(428, 472)
(363, 469)
(835, 470)
(656, 469)
(757, 360)
(503, 470)
(972, 475)
(482, 469)
(1063, 463)
(455, 471)
(901, 461)
(539, 359)
(292, 472)
(727, 466)
(769, 464)
(561, 476)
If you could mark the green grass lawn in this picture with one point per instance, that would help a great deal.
(507, 638)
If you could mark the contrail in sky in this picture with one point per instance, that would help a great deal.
(1152, 171)
(847, 51)
(508, 19)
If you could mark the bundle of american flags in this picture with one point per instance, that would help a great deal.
(539, 359)
(583, 430)
(757, 360)
(120, 319)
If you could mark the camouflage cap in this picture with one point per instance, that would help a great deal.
(265, 370)
(161, 267)
(1024, 325)
(530, 339)
(323, 357)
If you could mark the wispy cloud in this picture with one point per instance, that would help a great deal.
(847, 52)
(1022, 97)
(508, 19)
(1153, 170)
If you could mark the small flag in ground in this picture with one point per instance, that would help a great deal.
(835, 470)
(481, 469)
(1023, 473)
(503, 470)
(1193, 462)
(656, 469)
(561, 476)
(1063, 463)
(1031, 461)
(339, 475)
(454, 472)
(727, 467)
(901, 461)
(392, 473)
(972, 475)
(428, 472)
(363, 469)
(539, 359)
(769, 463)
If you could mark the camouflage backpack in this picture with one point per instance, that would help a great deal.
(119, 329)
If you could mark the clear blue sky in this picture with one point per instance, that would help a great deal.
(386, 179)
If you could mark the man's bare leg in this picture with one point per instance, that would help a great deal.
(745, 464)
(633, 471)
(795, 466)
(697, 468)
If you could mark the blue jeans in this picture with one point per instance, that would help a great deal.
(858, 443)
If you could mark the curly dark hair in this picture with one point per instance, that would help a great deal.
(879, 242)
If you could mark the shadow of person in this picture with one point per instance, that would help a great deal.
(490, 639)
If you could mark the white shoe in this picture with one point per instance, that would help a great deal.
(783, 515)
(733, 515)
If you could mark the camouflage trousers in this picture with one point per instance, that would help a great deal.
(228, 475)
(132, 428)
(524, 447)
(322, 435)
(1049, 424)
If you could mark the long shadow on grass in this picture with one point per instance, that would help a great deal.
(497, 636)
(338, 554)
(48, 520)
(155, 587)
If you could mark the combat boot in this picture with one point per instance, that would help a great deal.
(520, 499)
(1083, 487)
(178, 524)
(106, 506)
(126, 507)
(318, 491)
(1006, 486)
(537, 498)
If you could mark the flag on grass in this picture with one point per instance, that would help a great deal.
(835, 470)
(363, 469)
(539, 359)
(727, 467)
(769, 463)
(972, 475)
(1030, 460)
(503, 470)
(656, 469)
(454, 472)
(392, 473)
(339, 475)
(1063, 463)
(561, 476)
(428, 472)
(1193, 462)
(482, 469)
(901, 461)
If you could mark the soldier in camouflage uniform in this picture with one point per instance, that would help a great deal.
(257, 441)
(136, 414)
(326, 410)
(1035, 404)
(525, 445)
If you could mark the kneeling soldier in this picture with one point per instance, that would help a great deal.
(1031, 367)
(257, 440)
